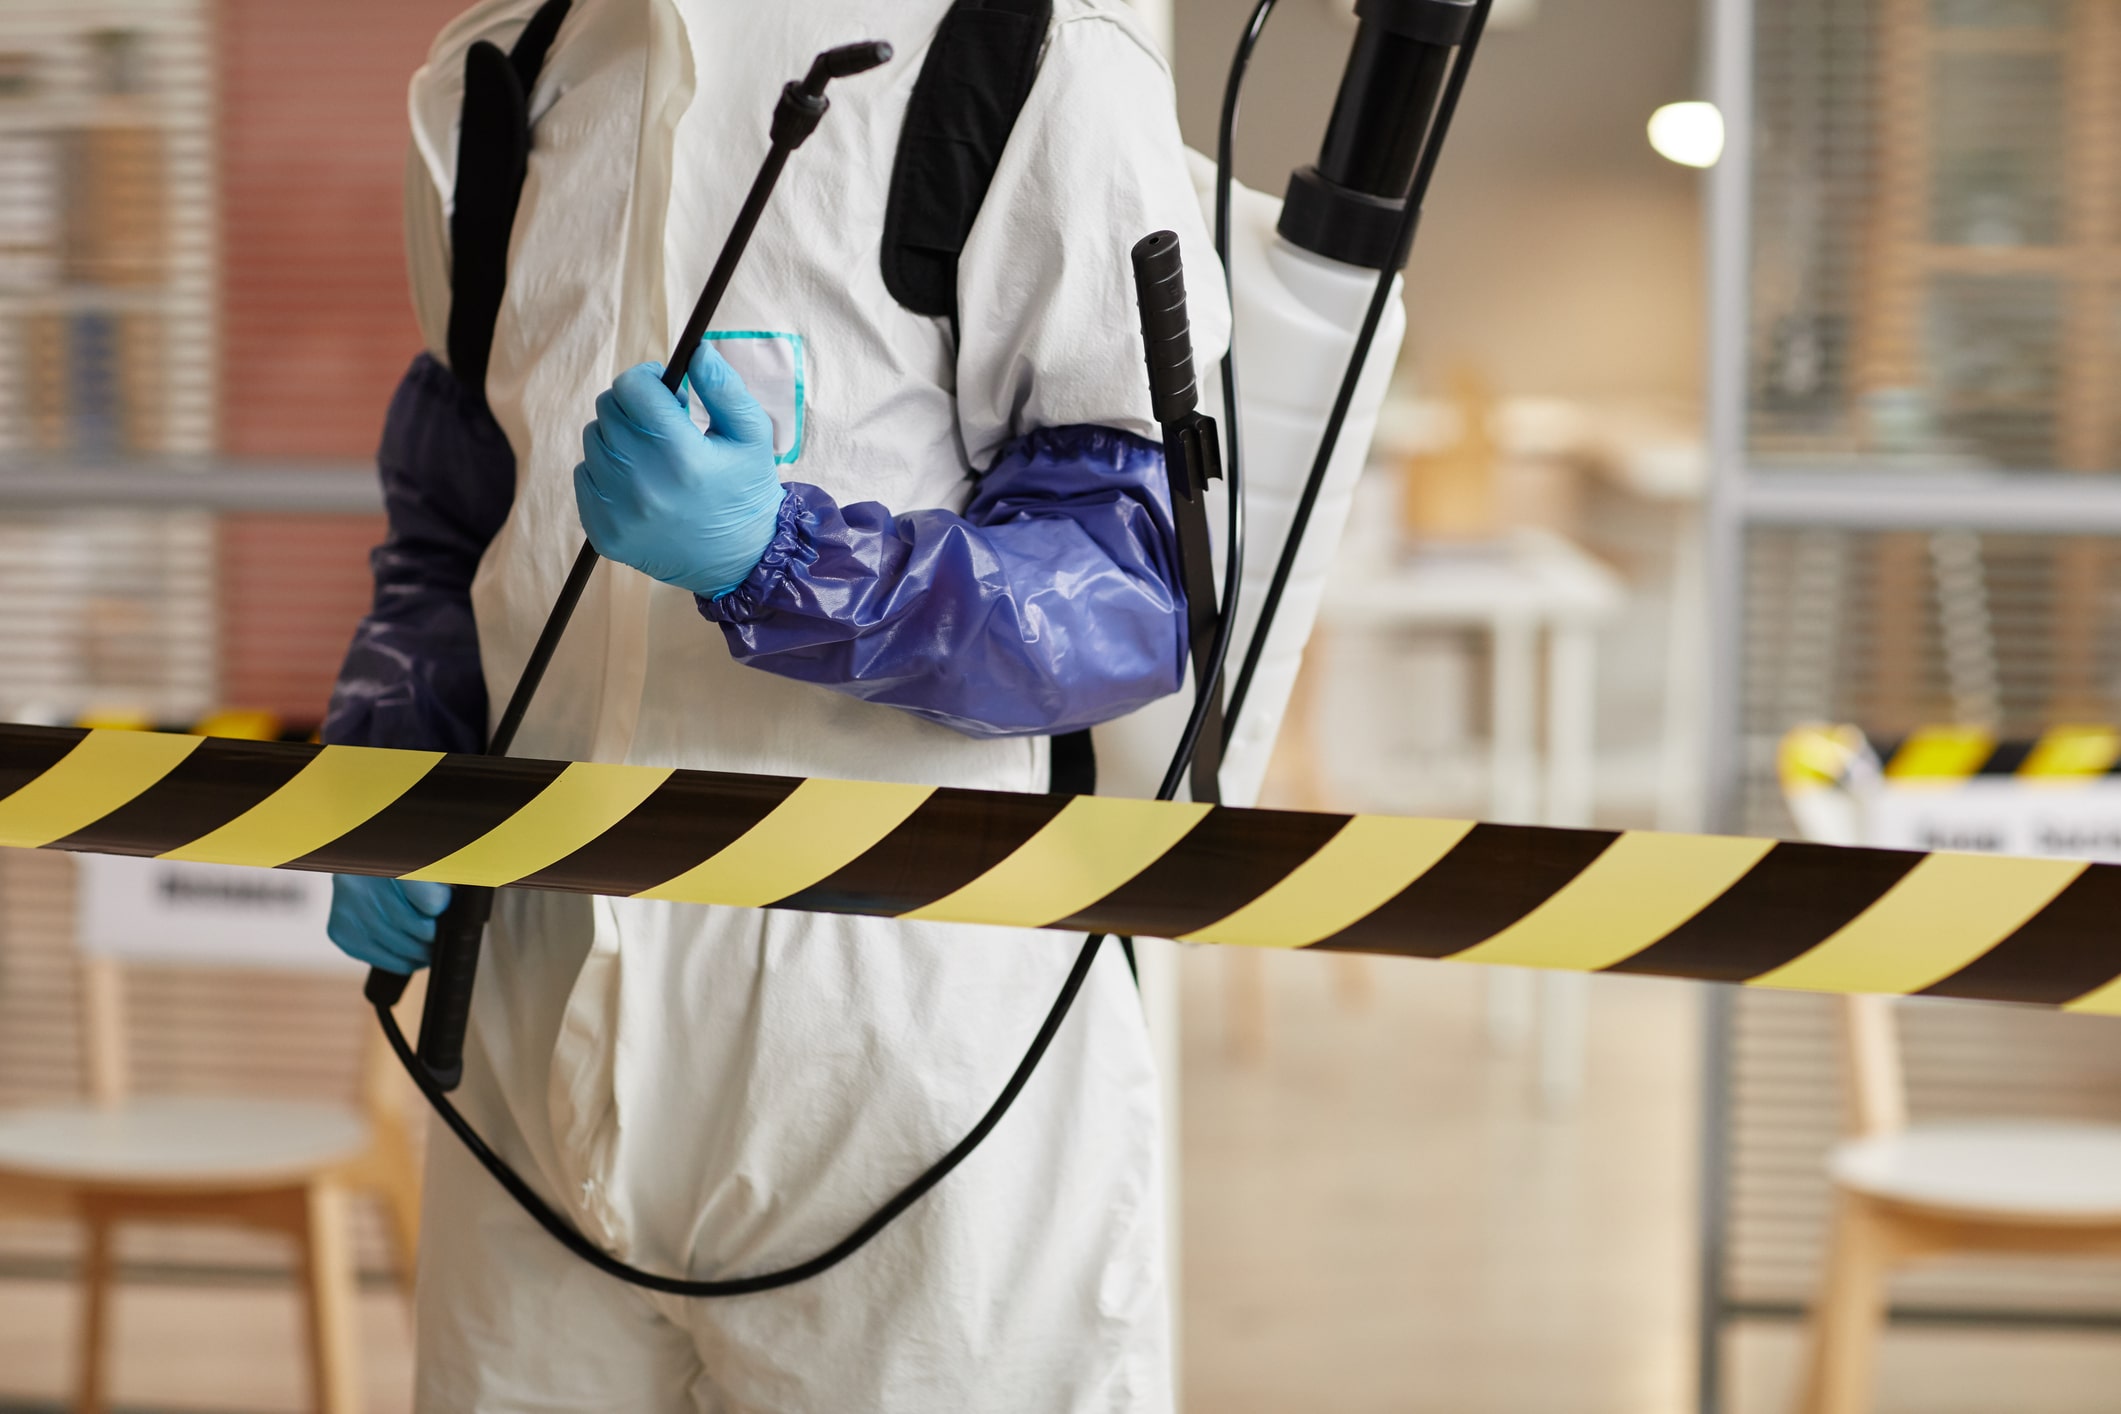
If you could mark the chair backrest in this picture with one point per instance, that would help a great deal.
(1874, 1080)
(1832, 781)
(235, 929)
(179, 914)
(1781, 1100)
(107, 1060)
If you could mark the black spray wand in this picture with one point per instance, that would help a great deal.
(447, 1013)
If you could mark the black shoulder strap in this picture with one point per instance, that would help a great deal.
(965, 103)
(493, 154)
(1071, 768)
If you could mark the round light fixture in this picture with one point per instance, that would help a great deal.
(1690, 134)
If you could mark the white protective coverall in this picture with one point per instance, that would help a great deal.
(718, 1092)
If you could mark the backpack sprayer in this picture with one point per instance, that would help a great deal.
(1352, 213)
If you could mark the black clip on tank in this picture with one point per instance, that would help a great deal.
(446, 1015)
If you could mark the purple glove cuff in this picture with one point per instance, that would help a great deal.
(748, 600)
(1051, 604)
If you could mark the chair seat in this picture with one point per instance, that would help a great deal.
(187, 1141)
(2031, 1171)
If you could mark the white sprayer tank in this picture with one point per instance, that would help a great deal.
(1295, 318)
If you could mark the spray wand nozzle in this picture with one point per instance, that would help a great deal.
(802, 104)
(845, 62)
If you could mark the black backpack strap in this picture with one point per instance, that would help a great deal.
(971, 89)
(531, 46)
(493, 154)
(965, 103)
(1072, 767)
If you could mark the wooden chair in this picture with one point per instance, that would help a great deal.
(280, 1165)
(1910, 1191)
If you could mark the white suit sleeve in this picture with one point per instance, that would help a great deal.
(1048, 332)
(427, 256)
(433, 101)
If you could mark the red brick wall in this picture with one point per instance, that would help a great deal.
(316, 324)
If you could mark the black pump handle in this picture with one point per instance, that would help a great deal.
(1167, 338)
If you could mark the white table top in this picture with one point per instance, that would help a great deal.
(1532, 577)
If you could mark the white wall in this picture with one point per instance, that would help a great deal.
(1558, 252)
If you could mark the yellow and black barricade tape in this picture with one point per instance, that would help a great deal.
(248, 723)
(1817, 756)
(1770, 914)
(2060, 754)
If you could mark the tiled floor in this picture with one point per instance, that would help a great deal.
(1379, 1217)
(230, 1350)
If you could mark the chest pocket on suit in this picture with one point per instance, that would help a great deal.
(771, 365)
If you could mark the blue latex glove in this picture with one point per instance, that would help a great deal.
(689, 508)
(386, 923)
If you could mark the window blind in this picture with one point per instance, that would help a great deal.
(106, 347)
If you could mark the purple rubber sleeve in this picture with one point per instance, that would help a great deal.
(411, 677)
(1053, 603)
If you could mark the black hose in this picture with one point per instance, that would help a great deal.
(567, 1236)
(1225, 155)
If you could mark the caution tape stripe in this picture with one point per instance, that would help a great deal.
(1225, 861)
(1944, 755)
(1736, 910)
(950, 839)
(1794, 899)
(1092, 847)
(456, 801)
(30, 761)
(339, 788)
(209, 787)
(1363, 867)
(1816, 757)
(1494, 876)
(2048, 960)
(582, 802)
(2072, 751)
(821, 828)
(682, 822)
(1640, 886)
(1940, 753)
(101, 774)
(1946, 911)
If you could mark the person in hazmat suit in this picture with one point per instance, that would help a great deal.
(905, 548)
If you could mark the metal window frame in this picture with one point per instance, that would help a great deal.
(214, 484)
(1742, 495)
